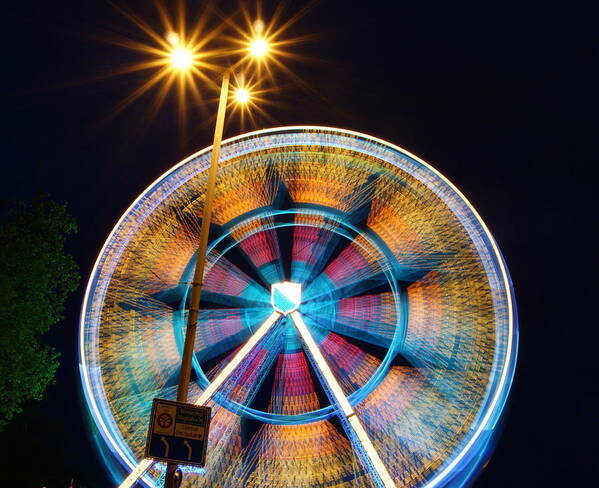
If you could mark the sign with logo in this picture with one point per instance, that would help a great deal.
(286, 297)
(178, 432)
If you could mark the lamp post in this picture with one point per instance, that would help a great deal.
(182, 60)
(198, 275)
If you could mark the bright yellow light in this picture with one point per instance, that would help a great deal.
(259, 26)
(181, 58)
(172, 38)
(258, 47)
(242, 95)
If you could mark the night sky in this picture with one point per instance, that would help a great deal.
(498, 96)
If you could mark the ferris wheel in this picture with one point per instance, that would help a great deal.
(358, 322)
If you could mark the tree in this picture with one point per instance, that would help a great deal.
(36, 276)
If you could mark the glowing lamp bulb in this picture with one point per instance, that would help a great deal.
(258, 48)
(259, 26)
(181, 58)
(172, 38)
(242, 95)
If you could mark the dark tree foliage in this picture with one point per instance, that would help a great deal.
(36, 276)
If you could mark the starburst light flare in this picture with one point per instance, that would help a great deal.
(258, 47)
(176, 55)
(242, 95)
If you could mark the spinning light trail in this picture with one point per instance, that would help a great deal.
(408, 331)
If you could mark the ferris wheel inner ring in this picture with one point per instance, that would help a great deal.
(332, 222)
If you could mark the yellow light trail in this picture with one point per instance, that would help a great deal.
(342, 401)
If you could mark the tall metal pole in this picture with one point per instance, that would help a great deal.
(198, 275)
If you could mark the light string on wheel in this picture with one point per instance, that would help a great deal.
(404, 293)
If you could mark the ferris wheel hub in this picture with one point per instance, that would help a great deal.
(286, 297)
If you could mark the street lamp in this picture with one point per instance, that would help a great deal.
(258, 47)
(181, 59)
(184, 58)
(242, 95)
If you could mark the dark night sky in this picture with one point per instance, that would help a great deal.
(499, 96)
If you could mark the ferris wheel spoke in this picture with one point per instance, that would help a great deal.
(414, 356)
(370, 317)
(224, 329)
(369, 343)
(252, 297)
(313, 246)
(241, 290)
(328, 242)
(357, 270)
(263, 252)
(341, 259)
(359, 437)
(285, 235)
(276, 231)
(351, 362)
(234, 248)
(353, 270)
(224, 279)
(323, 290)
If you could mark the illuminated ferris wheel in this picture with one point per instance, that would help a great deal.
(358, 323)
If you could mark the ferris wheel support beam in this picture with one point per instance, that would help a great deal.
(137, 472)
(238, 358)
(325, 371)
(214, 385)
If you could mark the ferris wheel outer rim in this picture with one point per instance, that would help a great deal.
(509, 364)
